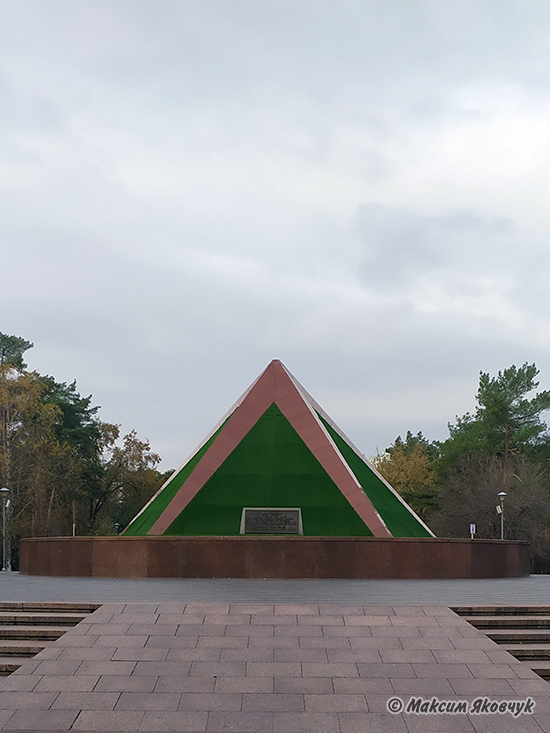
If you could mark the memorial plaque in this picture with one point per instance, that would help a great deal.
(269, 520)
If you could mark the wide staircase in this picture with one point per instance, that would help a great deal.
(27, 628)
(523, 631)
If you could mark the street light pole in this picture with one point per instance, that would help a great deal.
(5, 496)
(501, 495)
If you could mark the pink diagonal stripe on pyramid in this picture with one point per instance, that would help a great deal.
(274, 385)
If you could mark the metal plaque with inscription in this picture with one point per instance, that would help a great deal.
(276, 520)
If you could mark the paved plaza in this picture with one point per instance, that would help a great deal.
(273, 656)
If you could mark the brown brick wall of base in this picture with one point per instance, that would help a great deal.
(273, 557)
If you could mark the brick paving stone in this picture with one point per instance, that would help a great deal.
(189, 722)
(86, 701)
(321, 620)
(306, 723)
(283, 702)
(171, 607)
(196, 629)
(240, 722)
(535, 686)
(27, 700)
(179, 619)
(301, 685)
(489, 671)
(375, 609)
(302, 655)
(194, 608)
(423, 622)
(113, 720)
(158, 629)
(245, 684)
(451, 671)
(499, 655)
(467, 656)
(273, 669)
(330, 669)
(280, 642)
(264, 619)
(504, 724)
(235, 642)
(303, 630)
(64, 683)
(372, 723)
(348, 631)
(91, 667)
(79, 640)
(251, 631)
(172, 642)
(48, 720)
(210, 701)
(355, 655)
(228, 619)
(131, 654)
(107, 629)
(363, 686)
(411, 655)
(335, 642)
(114, 683)
(447, 723)
(249, 655)
(367, 620)
(252, 608)
(433, 643)
(148, 701)
(402, 632)
(298, 609)
(423, 686)
(65, 666)
(490, 687)
(20, 683)
(158, 668)
(185, 684)
(199, 654)
(337, 703)
(387, 670)
(5, 715)
(135, 642)
(102, 654)
(218, 669)
(377, 642)
(330, 609)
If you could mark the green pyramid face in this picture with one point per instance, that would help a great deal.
(277, 448)
(271, 467)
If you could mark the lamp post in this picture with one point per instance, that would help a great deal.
(501, 495)
(5, 498)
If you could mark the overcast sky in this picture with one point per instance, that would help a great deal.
(360, 188)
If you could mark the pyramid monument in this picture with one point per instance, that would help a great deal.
(277, 457)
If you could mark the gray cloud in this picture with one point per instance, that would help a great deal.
(190, 189)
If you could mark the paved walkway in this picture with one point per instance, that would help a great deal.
(534, 589)
(269, 668)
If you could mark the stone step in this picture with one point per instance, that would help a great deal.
(519, 636)
(541, 668)
(46, 619)
(491, 610)
(8, 665)
(524, 652)
(21, 648)
(64, 607)
(509, 622)
(32, 632)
